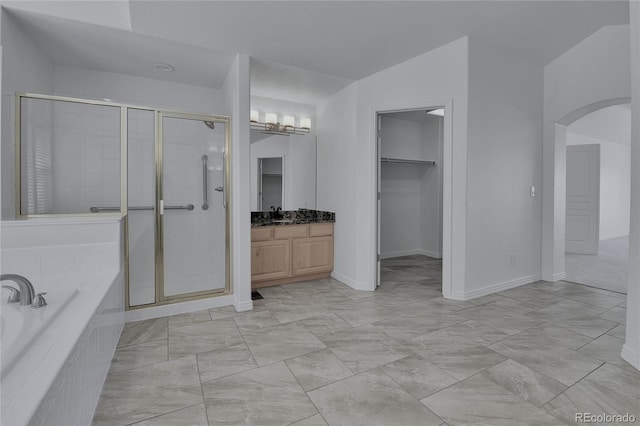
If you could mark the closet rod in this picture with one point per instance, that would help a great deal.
(407, 161)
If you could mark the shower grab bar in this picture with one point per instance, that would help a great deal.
(205, 190)
(117, 209)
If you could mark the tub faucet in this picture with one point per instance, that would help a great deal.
(26, 293)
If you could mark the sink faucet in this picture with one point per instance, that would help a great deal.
(27, 293)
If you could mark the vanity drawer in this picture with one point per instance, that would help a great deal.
(290, 231)
(261, 234)
(320, 229)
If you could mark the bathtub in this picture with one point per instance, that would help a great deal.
(20, 326)
(54, 360)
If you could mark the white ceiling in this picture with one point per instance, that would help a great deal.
(611, 124)
(328, 42)
(102, 48)
(277, 81)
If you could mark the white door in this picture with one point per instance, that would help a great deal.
(583, 199)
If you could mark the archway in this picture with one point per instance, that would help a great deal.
(553, 263)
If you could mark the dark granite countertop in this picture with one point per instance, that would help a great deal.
(291, 217)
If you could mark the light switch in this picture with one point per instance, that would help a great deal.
(533, 191)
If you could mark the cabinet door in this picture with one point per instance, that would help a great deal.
(270, 260)
(312, 255)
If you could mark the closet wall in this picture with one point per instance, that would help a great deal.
(411, 194)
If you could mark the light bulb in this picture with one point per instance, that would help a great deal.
(271, 118)
(289, 120)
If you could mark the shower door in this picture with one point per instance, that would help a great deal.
(191, 204)
(177, 237)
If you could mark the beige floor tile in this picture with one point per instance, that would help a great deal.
(134, 356)
(418, 376)
(191, 416)
(264, 396)
(370, 398)
(315, 420)
(139, 394)
(277, 343)
(364, 348)
(144, 331)
(189, 318)
(317, 369)
(541, 343)
(224, 362)
(479, 401)
(203, 337)
(609, 390)
(564, 365)
(524, 382)
(325, 323)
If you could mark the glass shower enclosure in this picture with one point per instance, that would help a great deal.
(177, 249)
(165, 172)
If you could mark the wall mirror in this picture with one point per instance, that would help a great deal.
(283, 169)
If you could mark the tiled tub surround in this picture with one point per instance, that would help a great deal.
(59, 377)
(297, 217)
(319, 352)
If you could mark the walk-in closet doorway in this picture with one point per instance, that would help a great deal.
(410, 198)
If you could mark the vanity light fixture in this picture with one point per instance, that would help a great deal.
(271, 124)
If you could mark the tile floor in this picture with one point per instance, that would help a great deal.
(318, 353)
(606, 270)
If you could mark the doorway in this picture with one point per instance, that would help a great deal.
(410, 199)
(598, 198)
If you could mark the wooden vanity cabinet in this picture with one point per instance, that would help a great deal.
(290, 253)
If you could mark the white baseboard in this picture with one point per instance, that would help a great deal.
(559, 276)
(506, 285)
(179, 308)
(631, 356)
(356, 285)
(393, 254)
(243, 305)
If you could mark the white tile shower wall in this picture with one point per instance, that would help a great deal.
(194, 241)
(73, 396)
(25, 68)
(141, 192)
(86, 157)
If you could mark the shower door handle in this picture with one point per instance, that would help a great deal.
(224, 180)
(205, 190)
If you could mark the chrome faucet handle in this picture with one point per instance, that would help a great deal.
(14, 296)
(39, 300)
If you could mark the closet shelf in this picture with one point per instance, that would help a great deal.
(407, 161)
